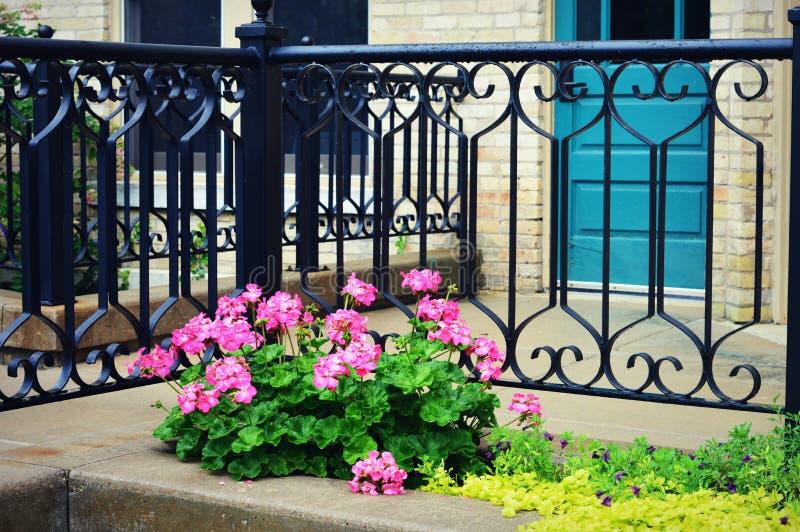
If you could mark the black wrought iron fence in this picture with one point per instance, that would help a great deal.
(384, 143)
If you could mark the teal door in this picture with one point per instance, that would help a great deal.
(657, 119)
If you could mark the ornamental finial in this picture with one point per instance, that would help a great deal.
(262, 9)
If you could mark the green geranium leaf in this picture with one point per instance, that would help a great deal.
(246, 466)
(402, 450)
(221, 427)
(439, 409)
(294, 395)
(299, 429)
(256, 414)
(214, 453)
(305, 363)
(317, 467)
(277, 466)
(248, 438)
(446, 371)
(326, 431)
(349, 429)
(171, 426)
(268, 353)
(412, 378)
(274, 429)
(424, 348)
(439, 445)
(282, 376)
(188, 445)
(295, 458)
(358, 448)
(191, 374)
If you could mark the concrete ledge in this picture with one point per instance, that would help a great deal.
(34, 498)
(154, 491)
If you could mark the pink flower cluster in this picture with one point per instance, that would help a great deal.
(281, 312)
(421, 280)
(156, 362)
(378, 474)
(345, 325)
(528, 408)
(224, 375)
(429, 309)
(361, 292)
(489, 358)
(359, 354)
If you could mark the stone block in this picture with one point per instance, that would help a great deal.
(34, 498)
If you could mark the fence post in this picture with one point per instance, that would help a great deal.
(307, 179)
(792, 403)
(259, 176)
(52, 194)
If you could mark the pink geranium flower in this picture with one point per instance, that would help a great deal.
(430, 309)
(489, 358)
(232, 333)
(230, 308)
(280, 312)
(156, 362)
(361, 292)
(361, 355)
(327, 371)
(345, 325)
(251, 294)
(194, 337)
(455, 333)
(378, 474)
(528, 408)
(421, 280)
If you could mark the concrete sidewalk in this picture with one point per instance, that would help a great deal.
(92, 463)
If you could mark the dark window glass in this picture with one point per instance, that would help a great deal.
(183, 22)
(696, 19)
(192, 22)
(588, 20)
(642, 19)
(327, 21)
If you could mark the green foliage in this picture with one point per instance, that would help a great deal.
(11, 20)
(749, 482)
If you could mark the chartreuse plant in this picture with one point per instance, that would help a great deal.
(749, 482)
(272, 395)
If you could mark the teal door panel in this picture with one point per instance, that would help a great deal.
(656, 119)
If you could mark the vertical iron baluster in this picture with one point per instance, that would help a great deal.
(792, 402)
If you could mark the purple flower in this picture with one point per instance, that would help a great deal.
(701, 465)
(731, 487)
(785, 520)
(548, 436)
(599, 493)
(606, 501)
(618, 476)
(651, 449)
(746, 459)
(691, 456)
(489, 455)
(563, 442)
(635, 490)
(606, 456)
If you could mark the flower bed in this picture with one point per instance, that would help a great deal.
(271, 390)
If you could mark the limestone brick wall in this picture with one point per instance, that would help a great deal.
(735, 163)
(85, 20)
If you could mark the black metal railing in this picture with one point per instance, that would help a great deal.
(384, 143)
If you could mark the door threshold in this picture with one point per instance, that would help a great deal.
(635, 289)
